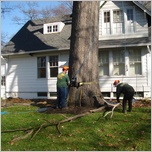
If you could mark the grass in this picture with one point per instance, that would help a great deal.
(124, 132)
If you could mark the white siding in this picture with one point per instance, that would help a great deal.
(141, 83)
(3, 73)
(22, 78)
(140, 24)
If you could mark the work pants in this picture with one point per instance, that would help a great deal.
(127, 97)
(61, 97)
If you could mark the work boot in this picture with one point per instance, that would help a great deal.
(64, 109)
(124, 111)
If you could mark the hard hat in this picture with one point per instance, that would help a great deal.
(116, 81)
(65, 67)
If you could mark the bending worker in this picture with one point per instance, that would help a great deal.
(128, 92)
(62, 87)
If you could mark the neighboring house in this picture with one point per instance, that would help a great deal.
(36, 53)
(3, 72)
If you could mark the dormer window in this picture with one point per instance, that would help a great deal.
(53, 27)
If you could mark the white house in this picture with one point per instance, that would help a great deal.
(34, 56)
(3, 73)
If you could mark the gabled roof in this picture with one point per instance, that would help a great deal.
(146, 9)
(30, 38)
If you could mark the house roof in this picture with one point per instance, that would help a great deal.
(30, 38)
(146, 8)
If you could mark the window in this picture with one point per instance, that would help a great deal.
(49, 29)
(129, 14)
(117, 16)
(106, 94)
(41, 64)
(130, 21)
(118, 63)
(42, 94)
(103, 63)
(53, 60)
(52, 28)
(117, 22)
(55, 27)
(3, 82)
(107, 17)
(106, 25)
(53, 94)
(135, 62)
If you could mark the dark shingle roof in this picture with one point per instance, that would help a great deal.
(30, 38)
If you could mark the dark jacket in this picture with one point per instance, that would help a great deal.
(125, 89)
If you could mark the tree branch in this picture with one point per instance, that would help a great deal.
(36, 130)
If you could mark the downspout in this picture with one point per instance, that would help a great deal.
(148, 65)
(148, 48)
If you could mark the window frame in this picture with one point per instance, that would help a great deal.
(120, 18)
(54, 65)
(42, 67)
(103, 64)
(106, 26)
(3, 80)
(54, 27)
(135, 60)
(118, 61)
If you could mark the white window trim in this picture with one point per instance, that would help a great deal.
(134, 20)
(124, 21)
(60, 26)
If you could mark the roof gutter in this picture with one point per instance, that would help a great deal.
(118, 46)
(38, 51)
(67, 49)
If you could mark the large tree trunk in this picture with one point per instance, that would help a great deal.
(83, 58)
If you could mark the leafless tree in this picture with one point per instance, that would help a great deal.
(3, 38)
(68, 4)
(29, 10)
(5, 8)
(61, 10)
(32, 11)
(46, 12)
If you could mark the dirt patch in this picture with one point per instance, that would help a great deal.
(48, 106)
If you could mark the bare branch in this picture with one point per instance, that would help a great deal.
(60, 10)
(21, 137)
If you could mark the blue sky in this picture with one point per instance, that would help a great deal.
(8, 27)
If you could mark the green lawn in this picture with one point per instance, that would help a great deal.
(124, 132)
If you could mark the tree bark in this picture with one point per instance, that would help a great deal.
(83, 58)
